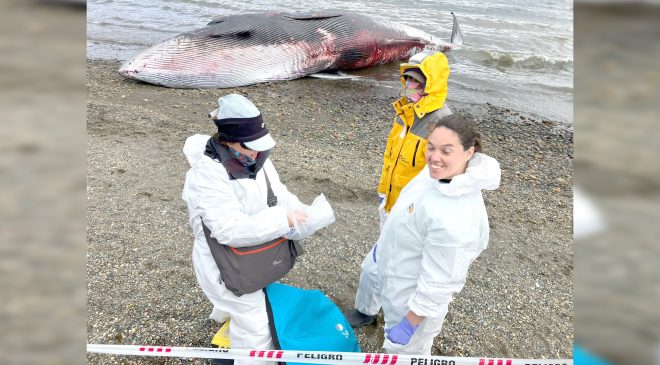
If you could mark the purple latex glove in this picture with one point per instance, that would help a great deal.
(402, 332)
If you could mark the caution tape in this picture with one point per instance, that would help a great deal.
(312, 357)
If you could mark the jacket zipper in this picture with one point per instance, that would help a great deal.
(415, 154)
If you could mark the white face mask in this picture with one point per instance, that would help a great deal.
(414, 90)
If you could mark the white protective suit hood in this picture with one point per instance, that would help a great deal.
(193, 149)
(482, 173)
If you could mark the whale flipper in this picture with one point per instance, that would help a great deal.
(339, 75)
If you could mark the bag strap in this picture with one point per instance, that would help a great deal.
(271, 199)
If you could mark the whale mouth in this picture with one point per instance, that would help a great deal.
(125, 70)
(128, 69)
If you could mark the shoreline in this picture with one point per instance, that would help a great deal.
(376, 80)
(517, 301)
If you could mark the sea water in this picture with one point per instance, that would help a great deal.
(516, 53)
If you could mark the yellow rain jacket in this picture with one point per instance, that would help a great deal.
(404, 155)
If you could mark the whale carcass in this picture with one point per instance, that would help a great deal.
(245, 49)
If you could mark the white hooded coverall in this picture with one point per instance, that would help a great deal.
(434, 232)
(236, 213)
(367, 298)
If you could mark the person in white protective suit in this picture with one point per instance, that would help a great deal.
(435, 230)
(231, 199)
(424, 81)
(367, 298)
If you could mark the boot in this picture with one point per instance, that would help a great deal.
(358, 319)
(222, 361)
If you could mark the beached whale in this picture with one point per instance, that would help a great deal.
(239, 50)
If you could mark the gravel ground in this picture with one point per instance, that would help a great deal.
(518, 300)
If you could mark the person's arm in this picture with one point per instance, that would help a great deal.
(436, 282)
(296, 210)
(383, 187)
(223, 214)
(434, 289)
(445, 261)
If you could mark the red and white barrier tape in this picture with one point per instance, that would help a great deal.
(313, 357)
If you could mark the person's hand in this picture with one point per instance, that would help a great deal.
(401, 333)
(296, 218)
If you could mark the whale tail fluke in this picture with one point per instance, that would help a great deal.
(456, 36)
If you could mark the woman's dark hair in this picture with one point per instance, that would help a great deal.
(465, 130)
(217, 138)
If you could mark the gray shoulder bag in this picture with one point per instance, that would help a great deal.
(248, 269)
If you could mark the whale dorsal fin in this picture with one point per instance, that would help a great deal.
(216, 20)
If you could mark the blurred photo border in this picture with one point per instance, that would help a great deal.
(43, 169)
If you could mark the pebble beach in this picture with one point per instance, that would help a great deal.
(331, 134)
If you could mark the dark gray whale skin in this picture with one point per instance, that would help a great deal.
(246, 49)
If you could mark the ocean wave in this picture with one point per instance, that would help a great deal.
(533, 62)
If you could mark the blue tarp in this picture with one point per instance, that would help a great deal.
(307, 320)
(583, 357)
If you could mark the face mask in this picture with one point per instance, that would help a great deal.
(243, 159)
(414, 90)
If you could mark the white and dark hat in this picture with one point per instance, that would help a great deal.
(416, 74)
(238, 120)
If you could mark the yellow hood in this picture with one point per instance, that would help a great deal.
(436, 69)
